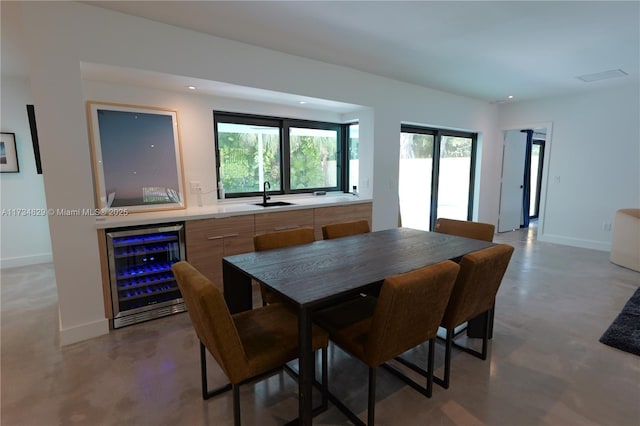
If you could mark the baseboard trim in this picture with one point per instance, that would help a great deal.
(82, 332)
(575, 242)
(34, 259)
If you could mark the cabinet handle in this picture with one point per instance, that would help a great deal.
(284, 228)
(219, 237)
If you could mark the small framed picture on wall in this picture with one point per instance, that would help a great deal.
(8, 153)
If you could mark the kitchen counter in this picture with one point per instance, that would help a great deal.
(230, 207)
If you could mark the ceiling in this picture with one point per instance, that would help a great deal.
(484, 50)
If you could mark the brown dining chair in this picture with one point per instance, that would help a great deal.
(475, 230)
(474, 294)
(280, 239)
(407, 313)
(345, 229)
(467, 229)
(248, 345)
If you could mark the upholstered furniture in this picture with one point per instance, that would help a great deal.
(406, 314)
(345, 229)
(473, 294)
(318, 275)
(625, 246)
(246, 345)
(280, 239)
(477, 231)
(286, 238)
(467, 229)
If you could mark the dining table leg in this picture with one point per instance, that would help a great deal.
(307, 368)
(237, 289)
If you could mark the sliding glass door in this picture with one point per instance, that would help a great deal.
(416, 170)
(429, 188)
(454, 177)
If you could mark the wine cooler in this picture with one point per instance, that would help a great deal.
(142, 284)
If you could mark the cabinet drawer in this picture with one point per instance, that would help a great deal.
(208, 240)
(280, 221)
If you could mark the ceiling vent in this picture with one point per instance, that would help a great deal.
(604, 75)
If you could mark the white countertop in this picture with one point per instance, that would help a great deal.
(230, 207)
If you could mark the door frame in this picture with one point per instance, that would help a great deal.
(548, 125)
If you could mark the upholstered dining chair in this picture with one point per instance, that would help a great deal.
(406, 313)
(345, 229)
(248, 345)
(475, 230)
(280, 239)
(474, 294)
(467, 229)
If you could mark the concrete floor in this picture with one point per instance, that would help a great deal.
(546, 366)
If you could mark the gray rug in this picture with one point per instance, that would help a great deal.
(624, 332)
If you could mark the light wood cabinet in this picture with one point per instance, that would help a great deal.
(337, 214)
(209, 240)
(280, 221)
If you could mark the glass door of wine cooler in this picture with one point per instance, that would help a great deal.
(142, 284)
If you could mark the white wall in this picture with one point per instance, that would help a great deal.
(594, 163)
(61, 35)
(195, 119)
(25, 234)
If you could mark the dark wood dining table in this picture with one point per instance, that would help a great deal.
(317, 275)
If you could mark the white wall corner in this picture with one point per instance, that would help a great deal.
(82, 332)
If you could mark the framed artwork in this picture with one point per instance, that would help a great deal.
(8, 153)
(137, 162)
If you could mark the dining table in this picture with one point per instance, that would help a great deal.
(317, 275)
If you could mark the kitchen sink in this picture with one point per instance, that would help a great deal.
(273, 204)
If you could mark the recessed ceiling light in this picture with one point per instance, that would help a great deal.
(588, 78)
(510, 97)
(191, 87)
(302, 102)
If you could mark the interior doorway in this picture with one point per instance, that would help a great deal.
(523, 179)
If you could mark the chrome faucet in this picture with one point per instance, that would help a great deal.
(265, 197)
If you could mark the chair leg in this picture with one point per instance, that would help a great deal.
(430, 361)
(372, 397)
(203, 371)
(447, 359)
(444, 382)
(206, 393)
(236, 404)
(450, 343)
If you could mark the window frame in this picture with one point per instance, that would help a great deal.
(284, 125)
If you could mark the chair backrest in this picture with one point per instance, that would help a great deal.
(345, 229)
(280, 239)
(467, 229)
(211, 320)
(478, 281)
(409, 311)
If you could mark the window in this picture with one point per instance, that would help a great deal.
(353, 149)
(436, 175)
(313, 158)
(248, 156)
(292, 155)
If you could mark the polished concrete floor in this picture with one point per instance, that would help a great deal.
(546, 366)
